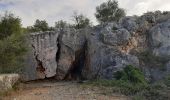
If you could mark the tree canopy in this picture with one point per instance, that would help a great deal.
(39, 25)
(9, 25)
(60, 24)
(109, 11)
(80, 21)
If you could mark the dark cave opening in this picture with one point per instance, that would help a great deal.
(75, 71)
(59, 50)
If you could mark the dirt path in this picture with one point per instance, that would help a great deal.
(59, 91)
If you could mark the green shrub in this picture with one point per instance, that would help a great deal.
(131, 74)
(120, 86)
(130, 81)
(12, 45)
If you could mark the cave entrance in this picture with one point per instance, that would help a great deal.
(75, 71)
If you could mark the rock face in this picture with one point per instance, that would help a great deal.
(41, 59)
(160, 39)
(100, 51)
(7, 81)
(71, 44)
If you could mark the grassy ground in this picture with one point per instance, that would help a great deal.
(131, 82)
(156, 91)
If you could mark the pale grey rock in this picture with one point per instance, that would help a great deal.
(129, 23)
(41, 59)
(103, 57)
(117, 37)
(160, 39)
(7, 81)
(71, 42)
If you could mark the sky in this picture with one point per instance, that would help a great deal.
(54, 10)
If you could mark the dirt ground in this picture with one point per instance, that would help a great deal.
(47, 90)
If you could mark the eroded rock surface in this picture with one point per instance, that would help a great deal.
(100, 51)
(42, 56)
(160, 39)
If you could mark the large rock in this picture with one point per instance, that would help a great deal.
(117, 37)
(103, 56)
(129, 23)
(70, 42)
(160, 39)
(7, 81)
(41, 59)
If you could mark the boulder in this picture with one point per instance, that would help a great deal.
(7, 81)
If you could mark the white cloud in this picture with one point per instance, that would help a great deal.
(53, 10)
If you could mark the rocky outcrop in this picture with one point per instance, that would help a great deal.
(7, 81)
(160, 39)
(41, 59)
(71, 43)
(103, 53)
(100, 51)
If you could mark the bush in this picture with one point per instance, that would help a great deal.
(120, 86)
(9, 25)
(130, 81)
(12, 46)
(130, 74)
(167, 81)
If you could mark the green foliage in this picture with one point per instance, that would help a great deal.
(9, 25)
(39, 25)
(129, 81)
(61, 24)
(131, 74)
(120, 86)
(12, 45)
(155, 91)
(80, 21)
(137, 91)
(167, 81)
(109, 11)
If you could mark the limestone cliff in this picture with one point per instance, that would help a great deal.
(100, 51)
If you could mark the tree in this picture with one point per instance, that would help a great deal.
(39, 25)
(9, 25)
(80, 21)
(12, 44)
(109, 11)
(60, 24)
